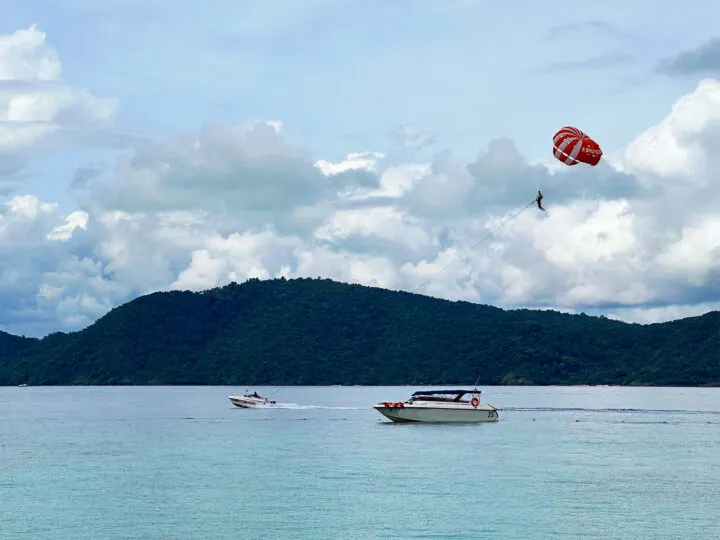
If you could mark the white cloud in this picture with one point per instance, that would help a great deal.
(357, 160)
(251, 175)
(28, 206)
(696, 253)
(665, 313)
(236, 257)
(35, 102)
(226, 203)
(26, 57)
(579, 235)
(350, 267)
(76, 219)
(76, 293)
(387, 225)
(673, 149)
(23, 222)
(449, 275)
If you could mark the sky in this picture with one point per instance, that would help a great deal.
(164, 145)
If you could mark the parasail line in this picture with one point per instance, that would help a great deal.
(473, 246)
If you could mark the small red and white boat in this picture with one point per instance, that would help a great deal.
(250, 401)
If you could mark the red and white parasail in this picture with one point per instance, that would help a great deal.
(572, 146)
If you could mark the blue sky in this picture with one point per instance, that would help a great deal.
(344, 75)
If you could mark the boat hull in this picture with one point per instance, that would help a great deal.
(407, 413)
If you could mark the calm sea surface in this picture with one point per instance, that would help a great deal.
(182, 462)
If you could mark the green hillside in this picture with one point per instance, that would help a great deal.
(308, 331)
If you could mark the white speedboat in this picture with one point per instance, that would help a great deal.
(248, 400)
(440, 406)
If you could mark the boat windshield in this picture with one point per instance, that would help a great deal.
(435, 398)
(442, 395)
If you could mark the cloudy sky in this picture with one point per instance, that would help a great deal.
(162, 145)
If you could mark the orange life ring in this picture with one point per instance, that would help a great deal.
(475, 402)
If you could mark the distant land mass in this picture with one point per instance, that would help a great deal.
(321, 332)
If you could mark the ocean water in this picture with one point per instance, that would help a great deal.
(182, 462)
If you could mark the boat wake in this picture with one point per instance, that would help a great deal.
(298, 406)
(608, 410)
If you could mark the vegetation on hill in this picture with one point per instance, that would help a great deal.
(317, 331)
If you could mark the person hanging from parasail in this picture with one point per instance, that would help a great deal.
(539, 199)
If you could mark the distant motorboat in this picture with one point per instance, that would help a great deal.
(248, 400)
(440, 406)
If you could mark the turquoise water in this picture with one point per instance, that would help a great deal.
(182, 462)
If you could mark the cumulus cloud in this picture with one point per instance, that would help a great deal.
(636, 239)
(250, 174)
(235, 257)
(26, 252)
(37, 107)
(501, 177)
(677, 148)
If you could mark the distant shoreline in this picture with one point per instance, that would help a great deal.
(444, 385)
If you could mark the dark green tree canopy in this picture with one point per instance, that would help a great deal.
(318, 331)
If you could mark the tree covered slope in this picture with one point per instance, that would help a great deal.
(313, 331)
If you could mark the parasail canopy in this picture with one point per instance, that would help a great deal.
(572, 146)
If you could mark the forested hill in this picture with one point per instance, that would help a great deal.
(308, 331)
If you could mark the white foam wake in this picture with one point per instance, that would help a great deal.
(298, 406)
